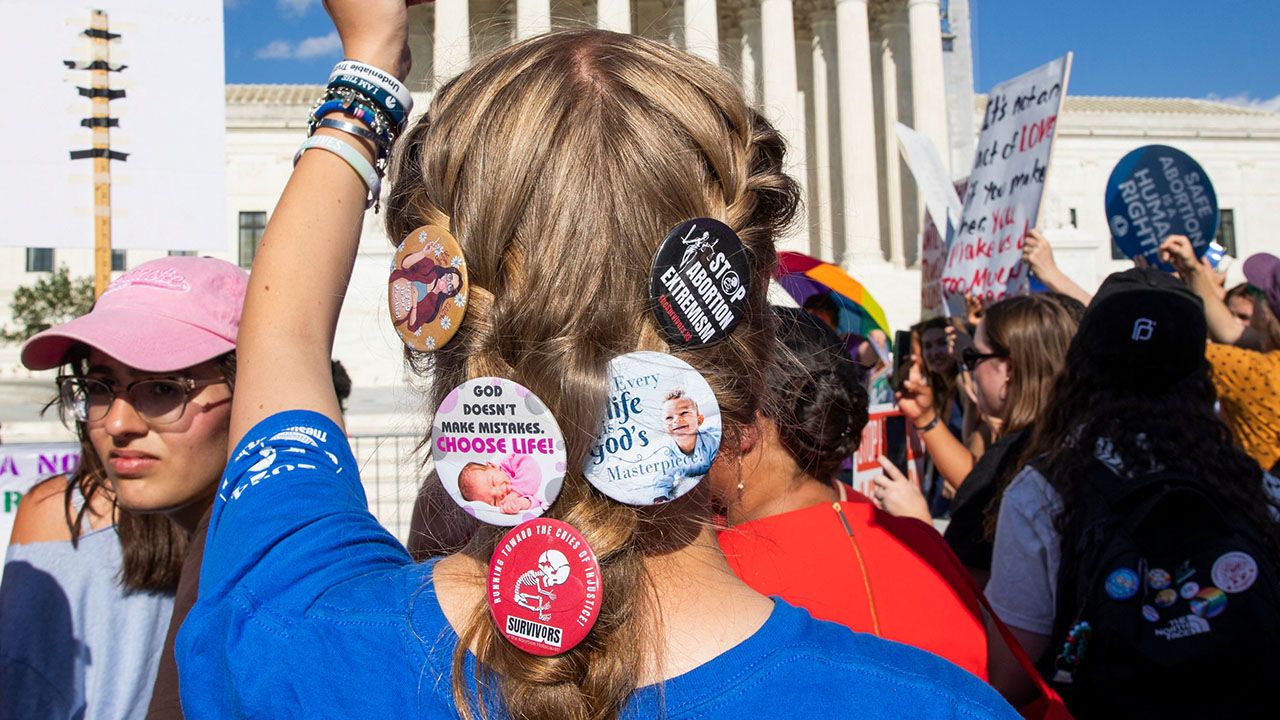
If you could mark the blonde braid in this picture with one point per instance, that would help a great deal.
(560, 163)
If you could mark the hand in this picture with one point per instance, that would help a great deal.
(950, 333)
(1177, 251)
(1038, 253)
(1219, 278)
(916, 397)
(974, 307)
(895, 494)
(513, 503)
(374, 32)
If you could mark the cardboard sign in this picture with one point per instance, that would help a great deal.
(1003, 198)
(933, 257)
(21, 467)
(886, 433)
(1157, 191)
(940, 198)
(942, 214)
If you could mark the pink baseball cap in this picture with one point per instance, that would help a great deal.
(164, 315)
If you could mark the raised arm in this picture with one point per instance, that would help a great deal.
(302, 269)
(1223, 326)
(1038, 253)
(950, 456)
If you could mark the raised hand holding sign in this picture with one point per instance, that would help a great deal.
(1157, 191)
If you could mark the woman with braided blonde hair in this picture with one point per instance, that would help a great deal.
(558, 164)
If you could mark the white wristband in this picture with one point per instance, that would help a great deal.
(353, 157)
(378, 77)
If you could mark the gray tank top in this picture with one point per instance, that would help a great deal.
(73, 643)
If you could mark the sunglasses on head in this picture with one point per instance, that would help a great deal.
(972, 358)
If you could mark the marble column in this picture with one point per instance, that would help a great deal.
(751, 57)
(533, 17)
(614, 15)
(701, 36)
(928, 77)
(452, 53)
(823, 52)
(782, 95)
(857, 134)
(892, 52)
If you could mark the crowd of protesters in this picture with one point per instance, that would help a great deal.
(1097, 464)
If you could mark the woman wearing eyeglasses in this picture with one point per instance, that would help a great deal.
(95, 559)
(1017, 351)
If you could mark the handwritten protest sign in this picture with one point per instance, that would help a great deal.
(1157, 191)
(933, 256)
(22, 466)
(942, 213)
(1003, 199)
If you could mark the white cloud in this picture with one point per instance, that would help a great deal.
(307, 49)
(294, 8)
(275, 50)
(318, 46)
(1244, 100)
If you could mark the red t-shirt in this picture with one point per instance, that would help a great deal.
(806, 558)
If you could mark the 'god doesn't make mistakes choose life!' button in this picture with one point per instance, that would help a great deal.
(498, 451)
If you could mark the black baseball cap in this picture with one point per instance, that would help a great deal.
(1147, 329)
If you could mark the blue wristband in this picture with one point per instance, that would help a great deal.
(364, 114)
(376, 94)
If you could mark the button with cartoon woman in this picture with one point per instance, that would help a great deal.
(427, 291)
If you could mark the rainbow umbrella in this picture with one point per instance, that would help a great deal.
(803, 277)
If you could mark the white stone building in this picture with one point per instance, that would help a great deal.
(834, 75)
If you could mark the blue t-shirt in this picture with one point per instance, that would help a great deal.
(309, 608)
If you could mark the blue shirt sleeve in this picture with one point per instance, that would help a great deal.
(290, 521)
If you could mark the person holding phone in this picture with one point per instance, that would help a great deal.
(1016, 354)
(797, 533)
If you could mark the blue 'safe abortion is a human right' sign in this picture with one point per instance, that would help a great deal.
(1157, 191)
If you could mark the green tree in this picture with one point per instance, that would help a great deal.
(51, 300)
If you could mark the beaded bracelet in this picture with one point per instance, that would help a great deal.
(352, 156)
(380, 97)
(349, 104)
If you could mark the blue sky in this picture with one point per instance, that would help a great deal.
(1167, 48)
(1183, 48)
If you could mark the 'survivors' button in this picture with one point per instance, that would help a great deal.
(544, 587)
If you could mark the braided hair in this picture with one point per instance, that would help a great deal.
(560, 163)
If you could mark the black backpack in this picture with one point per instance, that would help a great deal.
(1167, 605)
